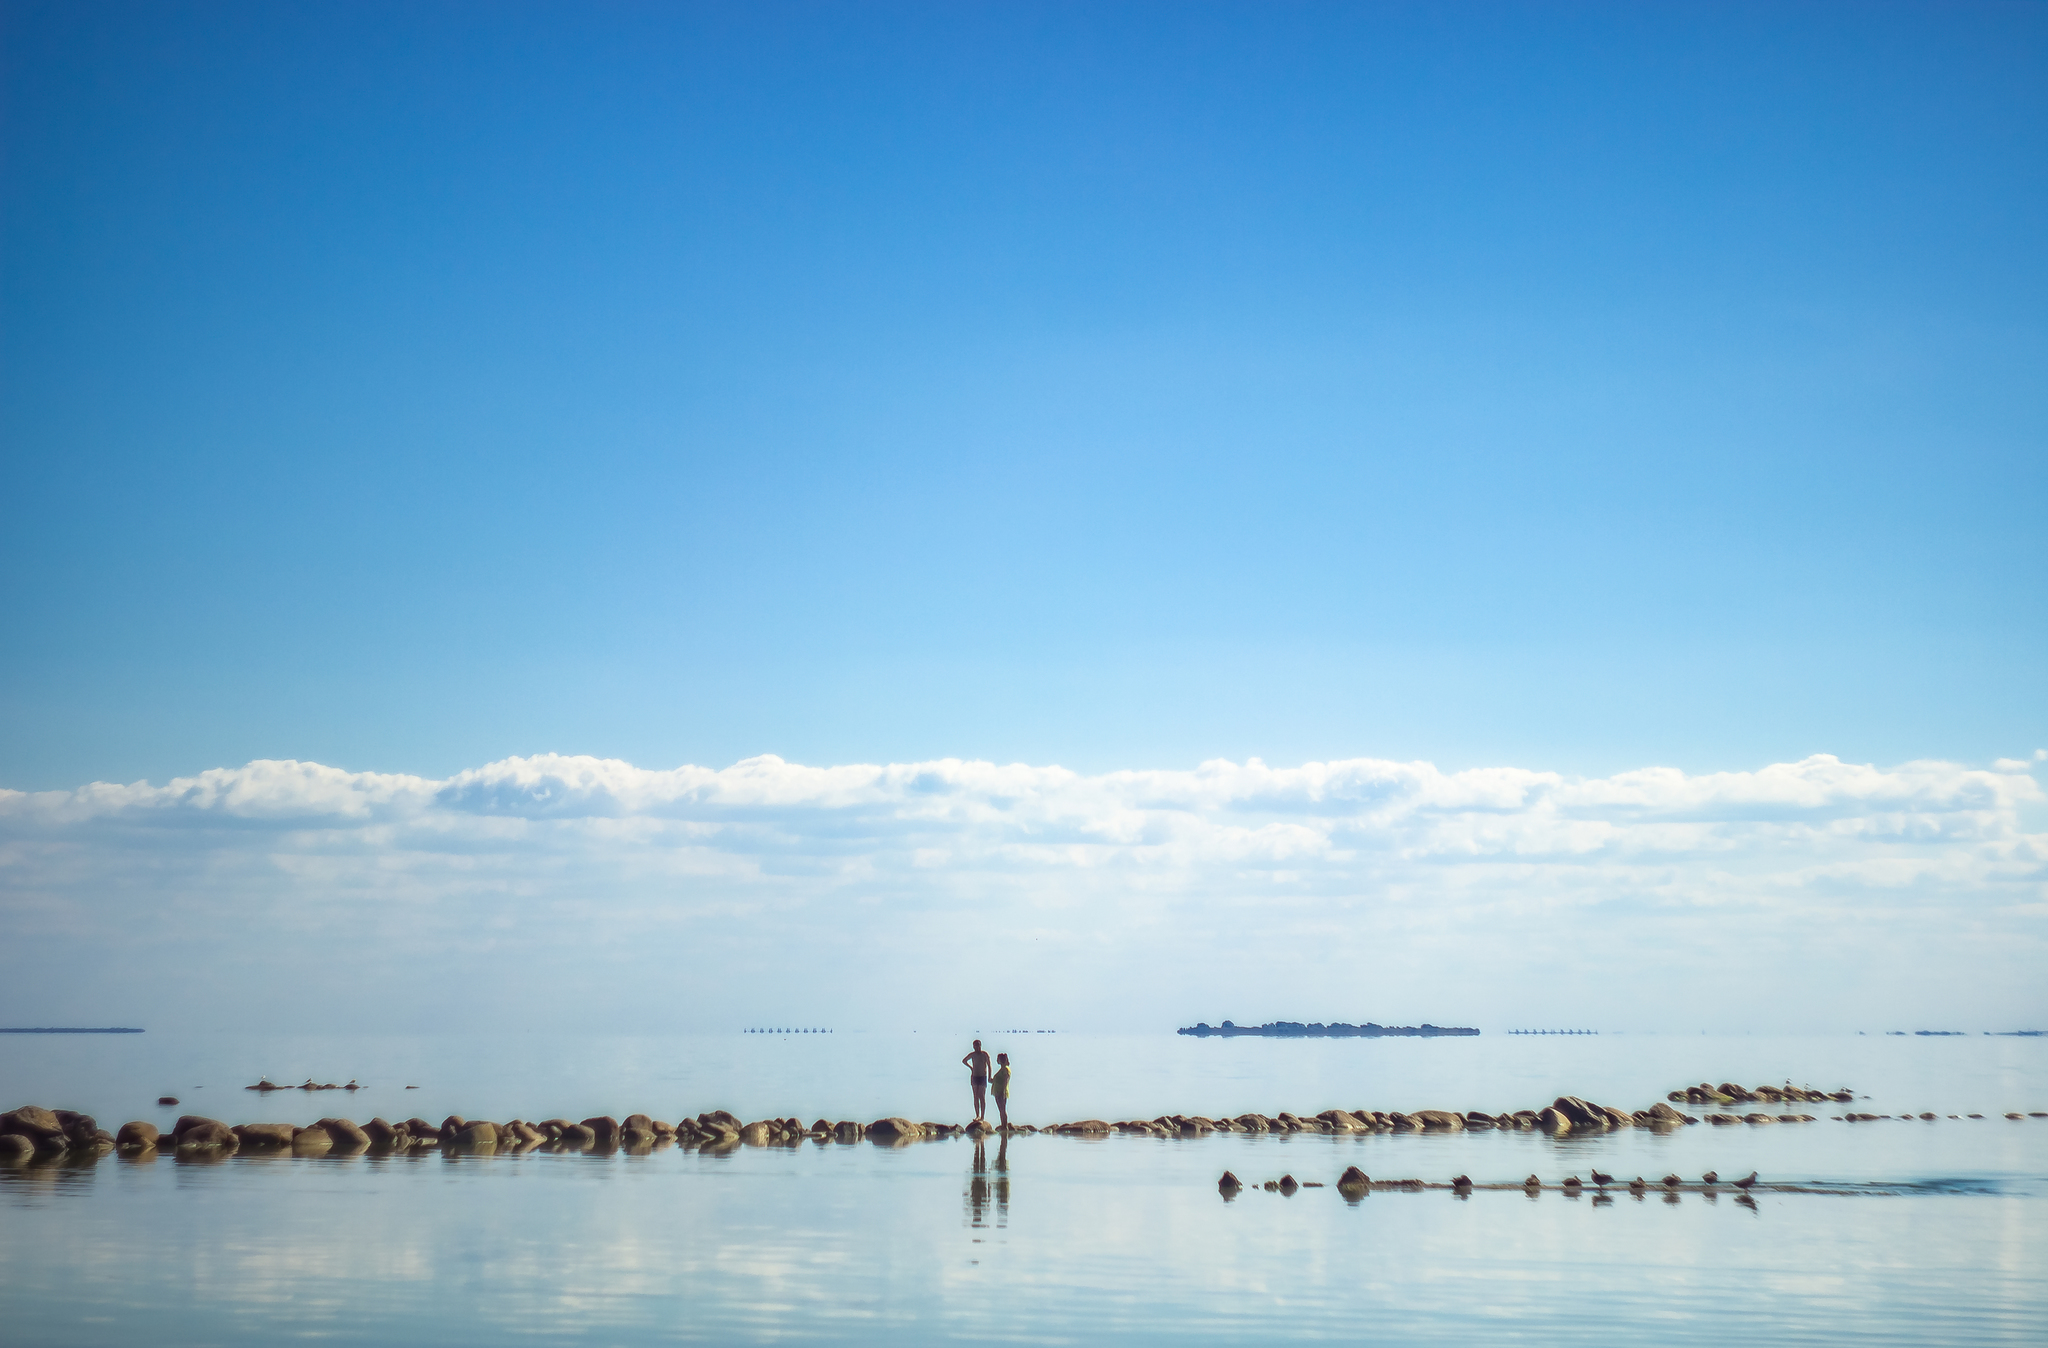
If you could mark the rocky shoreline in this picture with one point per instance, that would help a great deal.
(31, 1131)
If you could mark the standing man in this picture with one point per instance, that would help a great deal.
(977, 1076)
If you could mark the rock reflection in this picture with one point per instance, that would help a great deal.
(985, 1191)
(66, 1172)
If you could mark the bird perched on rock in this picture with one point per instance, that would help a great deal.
(1672, 1181)
(1599, 1178)
(1572, 1182)
(1532, 1183)
(1711, 1177)
(1462, 1182)
(1229, 1182)
(1636, 1185)
(1745, 1183)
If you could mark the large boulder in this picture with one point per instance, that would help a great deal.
(576, 1136)
(1582, 1114)
(272, 1135)
(385, 1135)
(136, 1134)
(1661, 1113)
(313, 1141)
(1439, 1120)
(80, 1130)
(846, 1130)
(605, 1129)
(1343, 1121)
(761, 1133)
(477, 1133)
(1553, 1121)
(194, 1131)
(450, 1126)
(15, 1147)
(32, 1122)
(1085, 1128)
(640, 1121)
(893, 1130)
(347, 1137)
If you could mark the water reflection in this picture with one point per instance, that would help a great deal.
(985, 1190)
(66, 1172)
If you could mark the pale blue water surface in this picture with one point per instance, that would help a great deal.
(1045, 1239)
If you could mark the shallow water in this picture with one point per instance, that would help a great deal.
(1046, 1239)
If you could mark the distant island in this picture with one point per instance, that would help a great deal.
(1294, 1029)
(68, 1029)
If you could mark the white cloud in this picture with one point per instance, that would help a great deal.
(1130, 888)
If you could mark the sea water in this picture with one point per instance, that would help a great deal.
(1924, 1232)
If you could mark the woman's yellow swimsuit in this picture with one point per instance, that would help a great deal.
(1000, 1082)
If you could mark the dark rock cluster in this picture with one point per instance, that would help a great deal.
(34, 1131)
(1294, 1029)
(1728, 1093)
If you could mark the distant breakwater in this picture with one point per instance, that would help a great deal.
(1294, 1029)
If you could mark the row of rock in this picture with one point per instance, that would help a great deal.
(34, 1131)
(1930, 1116)
(1566, 1114)
(1728, 1093)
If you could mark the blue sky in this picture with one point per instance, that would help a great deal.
(1503, 496)
(408, 386)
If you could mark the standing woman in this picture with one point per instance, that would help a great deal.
(999, 1085)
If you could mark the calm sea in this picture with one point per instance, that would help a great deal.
(1045, 1239)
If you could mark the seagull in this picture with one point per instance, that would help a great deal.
(1711, 1177)
(1745, 1183)
(1599, 1178)
(1672, 1181)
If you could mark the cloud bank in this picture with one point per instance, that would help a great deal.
(1816, 892)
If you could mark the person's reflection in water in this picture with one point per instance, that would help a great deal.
(977, 1188)
(981, 1189)
(1003, 1182)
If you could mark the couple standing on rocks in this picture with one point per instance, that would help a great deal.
(979, 1078)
